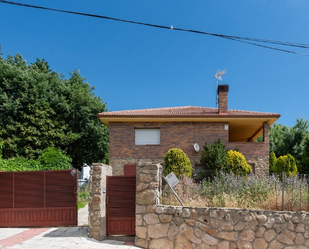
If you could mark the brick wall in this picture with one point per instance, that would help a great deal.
(177, 134)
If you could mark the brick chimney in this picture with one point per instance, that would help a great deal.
(222, 99)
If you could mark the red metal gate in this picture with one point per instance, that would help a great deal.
(38, 198)
(120, 208)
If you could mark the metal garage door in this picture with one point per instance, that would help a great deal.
(38, 198)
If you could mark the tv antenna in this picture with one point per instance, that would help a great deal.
(218, 76)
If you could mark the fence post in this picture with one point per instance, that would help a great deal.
(283, 183)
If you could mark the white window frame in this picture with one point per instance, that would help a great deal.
(147, 136)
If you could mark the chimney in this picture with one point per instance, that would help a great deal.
(222, 99)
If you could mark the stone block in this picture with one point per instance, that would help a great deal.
(243, 245)
(182, 242)
(165, 218)
(260, 232)
(162, 243)
(141, 232)
(299, 240)
(151, 218)
(147, 197)
(229, 236)
(247, 235)
(209, 240)
(157, 230)
(259, 244)
(286, 237)
(191, 236)
(275, 245)
(269, 235)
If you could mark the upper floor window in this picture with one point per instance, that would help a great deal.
(147, 136)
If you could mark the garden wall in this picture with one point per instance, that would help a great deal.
(159, 226)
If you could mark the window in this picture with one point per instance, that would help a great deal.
(147, 136)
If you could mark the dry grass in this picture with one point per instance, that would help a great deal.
(263, 193)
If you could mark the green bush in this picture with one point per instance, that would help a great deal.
(236, 163)
(214, 156)
(272, 162)
(54, 159)
(19, 164)
(286, 164)
(178, 162)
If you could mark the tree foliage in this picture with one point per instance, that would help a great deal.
(178, 162)
(272, 162)
(40, 108)
(214, 156)
(286, 164)
(236, 163)
(285, 140)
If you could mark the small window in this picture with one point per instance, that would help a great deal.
(147, 136)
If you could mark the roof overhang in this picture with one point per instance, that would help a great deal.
(241, 128)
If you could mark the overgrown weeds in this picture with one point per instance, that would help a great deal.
(229, 190)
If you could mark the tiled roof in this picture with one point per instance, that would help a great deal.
(184, 111)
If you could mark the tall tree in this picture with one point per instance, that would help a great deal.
(289, 140)
(39, 108)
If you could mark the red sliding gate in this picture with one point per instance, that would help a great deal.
(120, 208)
(38, 198)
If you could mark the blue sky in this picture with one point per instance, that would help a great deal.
(137, 67)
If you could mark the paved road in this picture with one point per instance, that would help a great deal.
(57, 237)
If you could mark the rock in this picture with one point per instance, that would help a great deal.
(269, 235)
(300, 228)
(261, 218)
(151, 218)
(141, 232)
(260, 232)
(230, 236)
(275, 245)
(157, 231)
(247, 235)
(172, 231)
(224, 245)
(299, 240)
(181, 242)
(286, 237)
(244, 245)
(146, 197)
(191, 236)
(209, 240)
(165, 218)
(259, 244)
(161, 244)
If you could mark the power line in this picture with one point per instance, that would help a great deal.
(247, 40)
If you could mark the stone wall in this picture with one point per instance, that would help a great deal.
(97, 205)
(159, 226)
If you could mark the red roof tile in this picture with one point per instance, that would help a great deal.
(184, 111)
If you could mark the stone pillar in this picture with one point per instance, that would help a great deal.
(147, 197)
(97, 204)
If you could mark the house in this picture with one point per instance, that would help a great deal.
(139, 136)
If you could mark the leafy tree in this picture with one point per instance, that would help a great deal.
(178, 162)
(286, 164)
(54, 159)
(40, 108)
(304, 163)
(236, 163)
(214, 156)
(289, 140)
(272, 162)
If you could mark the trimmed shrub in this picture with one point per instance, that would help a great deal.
(286, 164)
(214, 156)
(236, 163)
(54, 159)
(272, 162)
(178, 162)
